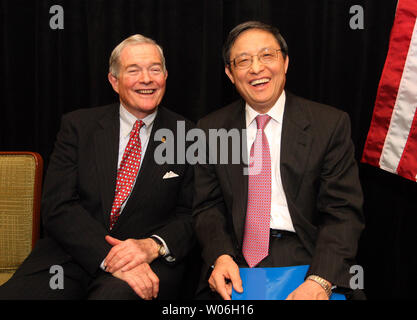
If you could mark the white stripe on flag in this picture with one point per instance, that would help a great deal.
(403, 113)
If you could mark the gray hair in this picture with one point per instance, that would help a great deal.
(114, 61)
(235, 33)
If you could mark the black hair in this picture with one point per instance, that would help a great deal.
(234, 34)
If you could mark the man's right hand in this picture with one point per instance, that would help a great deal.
(225, 276)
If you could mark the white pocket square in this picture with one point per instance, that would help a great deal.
(170, 175)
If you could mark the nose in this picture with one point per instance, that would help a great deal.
(145, 77)
(256, 66)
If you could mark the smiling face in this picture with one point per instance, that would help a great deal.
(141, 80)
(260, 84)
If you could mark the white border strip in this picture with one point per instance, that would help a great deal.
(403, 113)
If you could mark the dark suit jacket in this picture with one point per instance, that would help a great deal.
(320, 179)
(79, 191)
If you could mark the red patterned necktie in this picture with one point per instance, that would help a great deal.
(129, 167)
(258, 213)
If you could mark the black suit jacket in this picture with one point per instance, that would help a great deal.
(79, 191)
(320, 179)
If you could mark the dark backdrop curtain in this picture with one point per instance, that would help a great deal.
(46, 73)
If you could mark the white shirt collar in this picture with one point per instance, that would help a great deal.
(276, 112)
(127, 120)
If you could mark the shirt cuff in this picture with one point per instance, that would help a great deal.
(102, 267)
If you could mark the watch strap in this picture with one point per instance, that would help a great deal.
(162, 251)
(323, 283)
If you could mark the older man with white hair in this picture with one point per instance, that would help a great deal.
(113, 221)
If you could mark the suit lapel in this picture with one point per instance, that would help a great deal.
(238, 180)
(106, 143)
(295, 146)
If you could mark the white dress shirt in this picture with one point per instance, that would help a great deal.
(280, 216)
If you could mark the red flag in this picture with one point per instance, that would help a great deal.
(392, 139)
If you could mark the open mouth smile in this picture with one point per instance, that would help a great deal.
(145, 91)
(259, 82)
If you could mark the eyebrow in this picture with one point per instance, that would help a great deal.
(134, 65)
(247, 53)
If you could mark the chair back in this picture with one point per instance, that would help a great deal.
(20, 197)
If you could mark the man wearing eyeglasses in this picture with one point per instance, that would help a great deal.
(303, 206)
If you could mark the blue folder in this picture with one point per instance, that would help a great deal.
(273, 283)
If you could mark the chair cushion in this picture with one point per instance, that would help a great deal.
(17, 183)
(5, 276)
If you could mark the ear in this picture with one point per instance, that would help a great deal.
(229, 74)
(166, 74)
(114, 82)
(286, 63)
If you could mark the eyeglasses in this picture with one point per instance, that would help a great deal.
(265, 56)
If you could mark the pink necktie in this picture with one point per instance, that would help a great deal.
(129, 167)
(258, 213)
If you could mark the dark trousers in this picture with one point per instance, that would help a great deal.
(285, 249)
(78, 284)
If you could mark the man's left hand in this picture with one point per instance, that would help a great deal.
(142, 280)
(308, 290)
(126, 255)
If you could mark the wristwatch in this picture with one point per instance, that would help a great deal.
(324, 284)
(162, 251)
